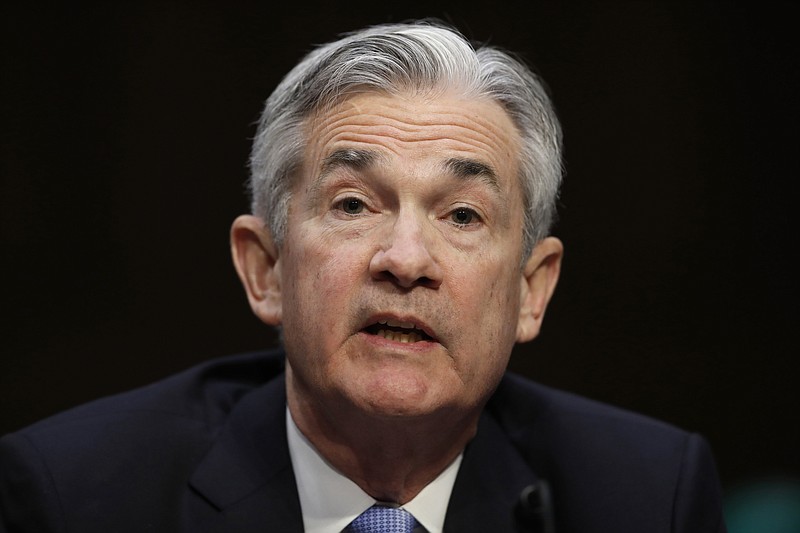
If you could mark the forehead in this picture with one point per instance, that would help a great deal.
(417, 128)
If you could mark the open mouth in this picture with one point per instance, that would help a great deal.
(392, 330)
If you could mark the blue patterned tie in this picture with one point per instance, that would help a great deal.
(382, 519)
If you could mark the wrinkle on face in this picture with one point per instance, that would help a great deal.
(411, 161)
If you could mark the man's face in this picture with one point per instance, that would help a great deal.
(400, 283)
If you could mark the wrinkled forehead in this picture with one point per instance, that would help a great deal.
(416, 124)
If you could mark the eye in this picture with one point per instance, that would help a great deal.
(351, 206)
(464, 216)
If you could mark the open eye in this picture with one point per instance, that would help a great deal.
(351, 206)
(464, 216)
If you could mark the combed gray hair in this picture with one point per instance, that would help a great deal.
(394, 58)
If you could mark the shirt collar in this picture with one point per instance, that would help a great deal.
(330, 501)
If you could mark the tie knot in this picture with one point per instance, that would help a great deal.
(383, 519)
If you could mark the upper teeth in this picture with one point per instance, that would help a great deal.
(400, 337)
(397, 324)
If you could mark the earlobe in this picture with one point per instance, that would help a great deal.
(538, 282)
(257, 263)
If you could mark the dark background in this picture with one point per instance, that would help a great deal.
(125, 131)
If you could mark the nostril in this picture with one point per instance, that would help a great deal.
(423, 281)
(405, 269)
(385, 275)
(426, 281)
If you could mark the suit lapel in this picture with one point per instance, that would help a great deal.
(247, 475)
(489, 483)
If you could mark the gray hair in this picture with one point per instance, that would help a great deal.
(394, 58)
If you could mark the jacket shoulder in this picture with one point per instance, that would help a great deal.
(136, 448)
(640, 473)
(521, 402)
(203, 394)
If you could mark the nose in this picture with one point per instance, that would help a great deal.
(404, 257)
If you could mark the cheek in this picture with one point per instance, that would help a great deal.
(320, 280)
(490, 288)
(491, 300)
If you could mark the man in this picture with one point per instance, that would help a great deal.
(403, 188)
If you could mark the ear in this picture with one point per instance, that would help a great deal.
(256, 260)
(539, 278)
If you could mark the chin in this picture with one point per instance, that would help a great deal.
(399, 395)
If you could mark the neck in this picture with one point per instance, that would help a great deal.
(360, 445)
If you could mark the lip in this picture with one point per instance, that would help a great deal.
(404, 319)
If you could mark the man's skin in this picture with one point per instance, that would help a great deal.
(400, 284)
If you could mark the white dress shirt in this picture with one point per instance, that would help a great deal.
(330, 501)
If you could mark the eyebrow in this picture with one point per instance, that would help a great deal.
(355, 159)
(350, 158)
(470, 168)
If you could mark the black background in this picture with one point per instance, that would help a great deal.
(125, 131)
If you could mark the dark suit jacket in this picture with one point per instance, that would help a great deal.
(206, 451)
